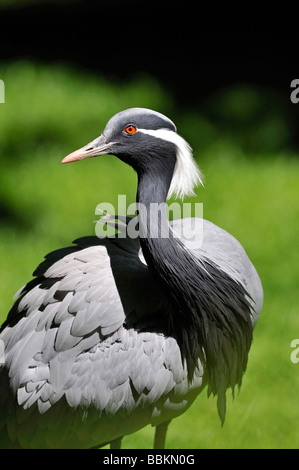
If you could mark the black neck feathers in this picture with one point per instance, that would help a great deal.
(210, 317)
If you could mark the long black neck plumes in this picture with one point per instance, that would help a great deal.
(211, 315)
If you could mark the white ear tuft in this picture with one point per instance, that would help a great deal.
(186, 175)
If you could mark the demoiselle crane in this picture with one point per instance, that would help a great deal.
(113, 334)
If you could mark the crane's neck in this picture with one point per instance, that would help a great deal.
(151, 202)
(211, 317)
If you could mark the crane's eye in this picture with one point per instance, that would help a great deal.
(130, 129)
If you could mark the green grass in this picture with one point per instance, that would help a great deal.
(50, 112)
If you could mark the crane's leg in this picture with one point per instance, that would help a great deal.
(160, 435)
(116, 444)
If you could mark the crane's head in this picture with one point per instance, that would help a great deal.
(148, 141)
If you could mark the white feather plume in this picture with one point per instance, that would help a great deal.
(186, 175)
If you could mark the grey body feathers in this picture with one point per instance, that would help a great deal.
(86, 358)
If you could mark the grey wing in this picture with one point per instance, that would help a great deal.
(67, 310)
(209, 241)
(83, 332)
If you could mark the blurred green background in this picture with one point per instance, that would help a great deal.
(242, 140)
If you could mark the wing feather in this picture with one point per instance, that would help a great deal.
(77, 334)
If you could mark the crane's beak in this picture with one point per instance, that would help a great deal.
(93, 149)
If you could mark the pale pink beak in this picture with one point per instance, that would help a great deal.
(93, 149)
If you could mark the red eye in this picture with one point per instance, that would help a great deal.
(130, 129)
